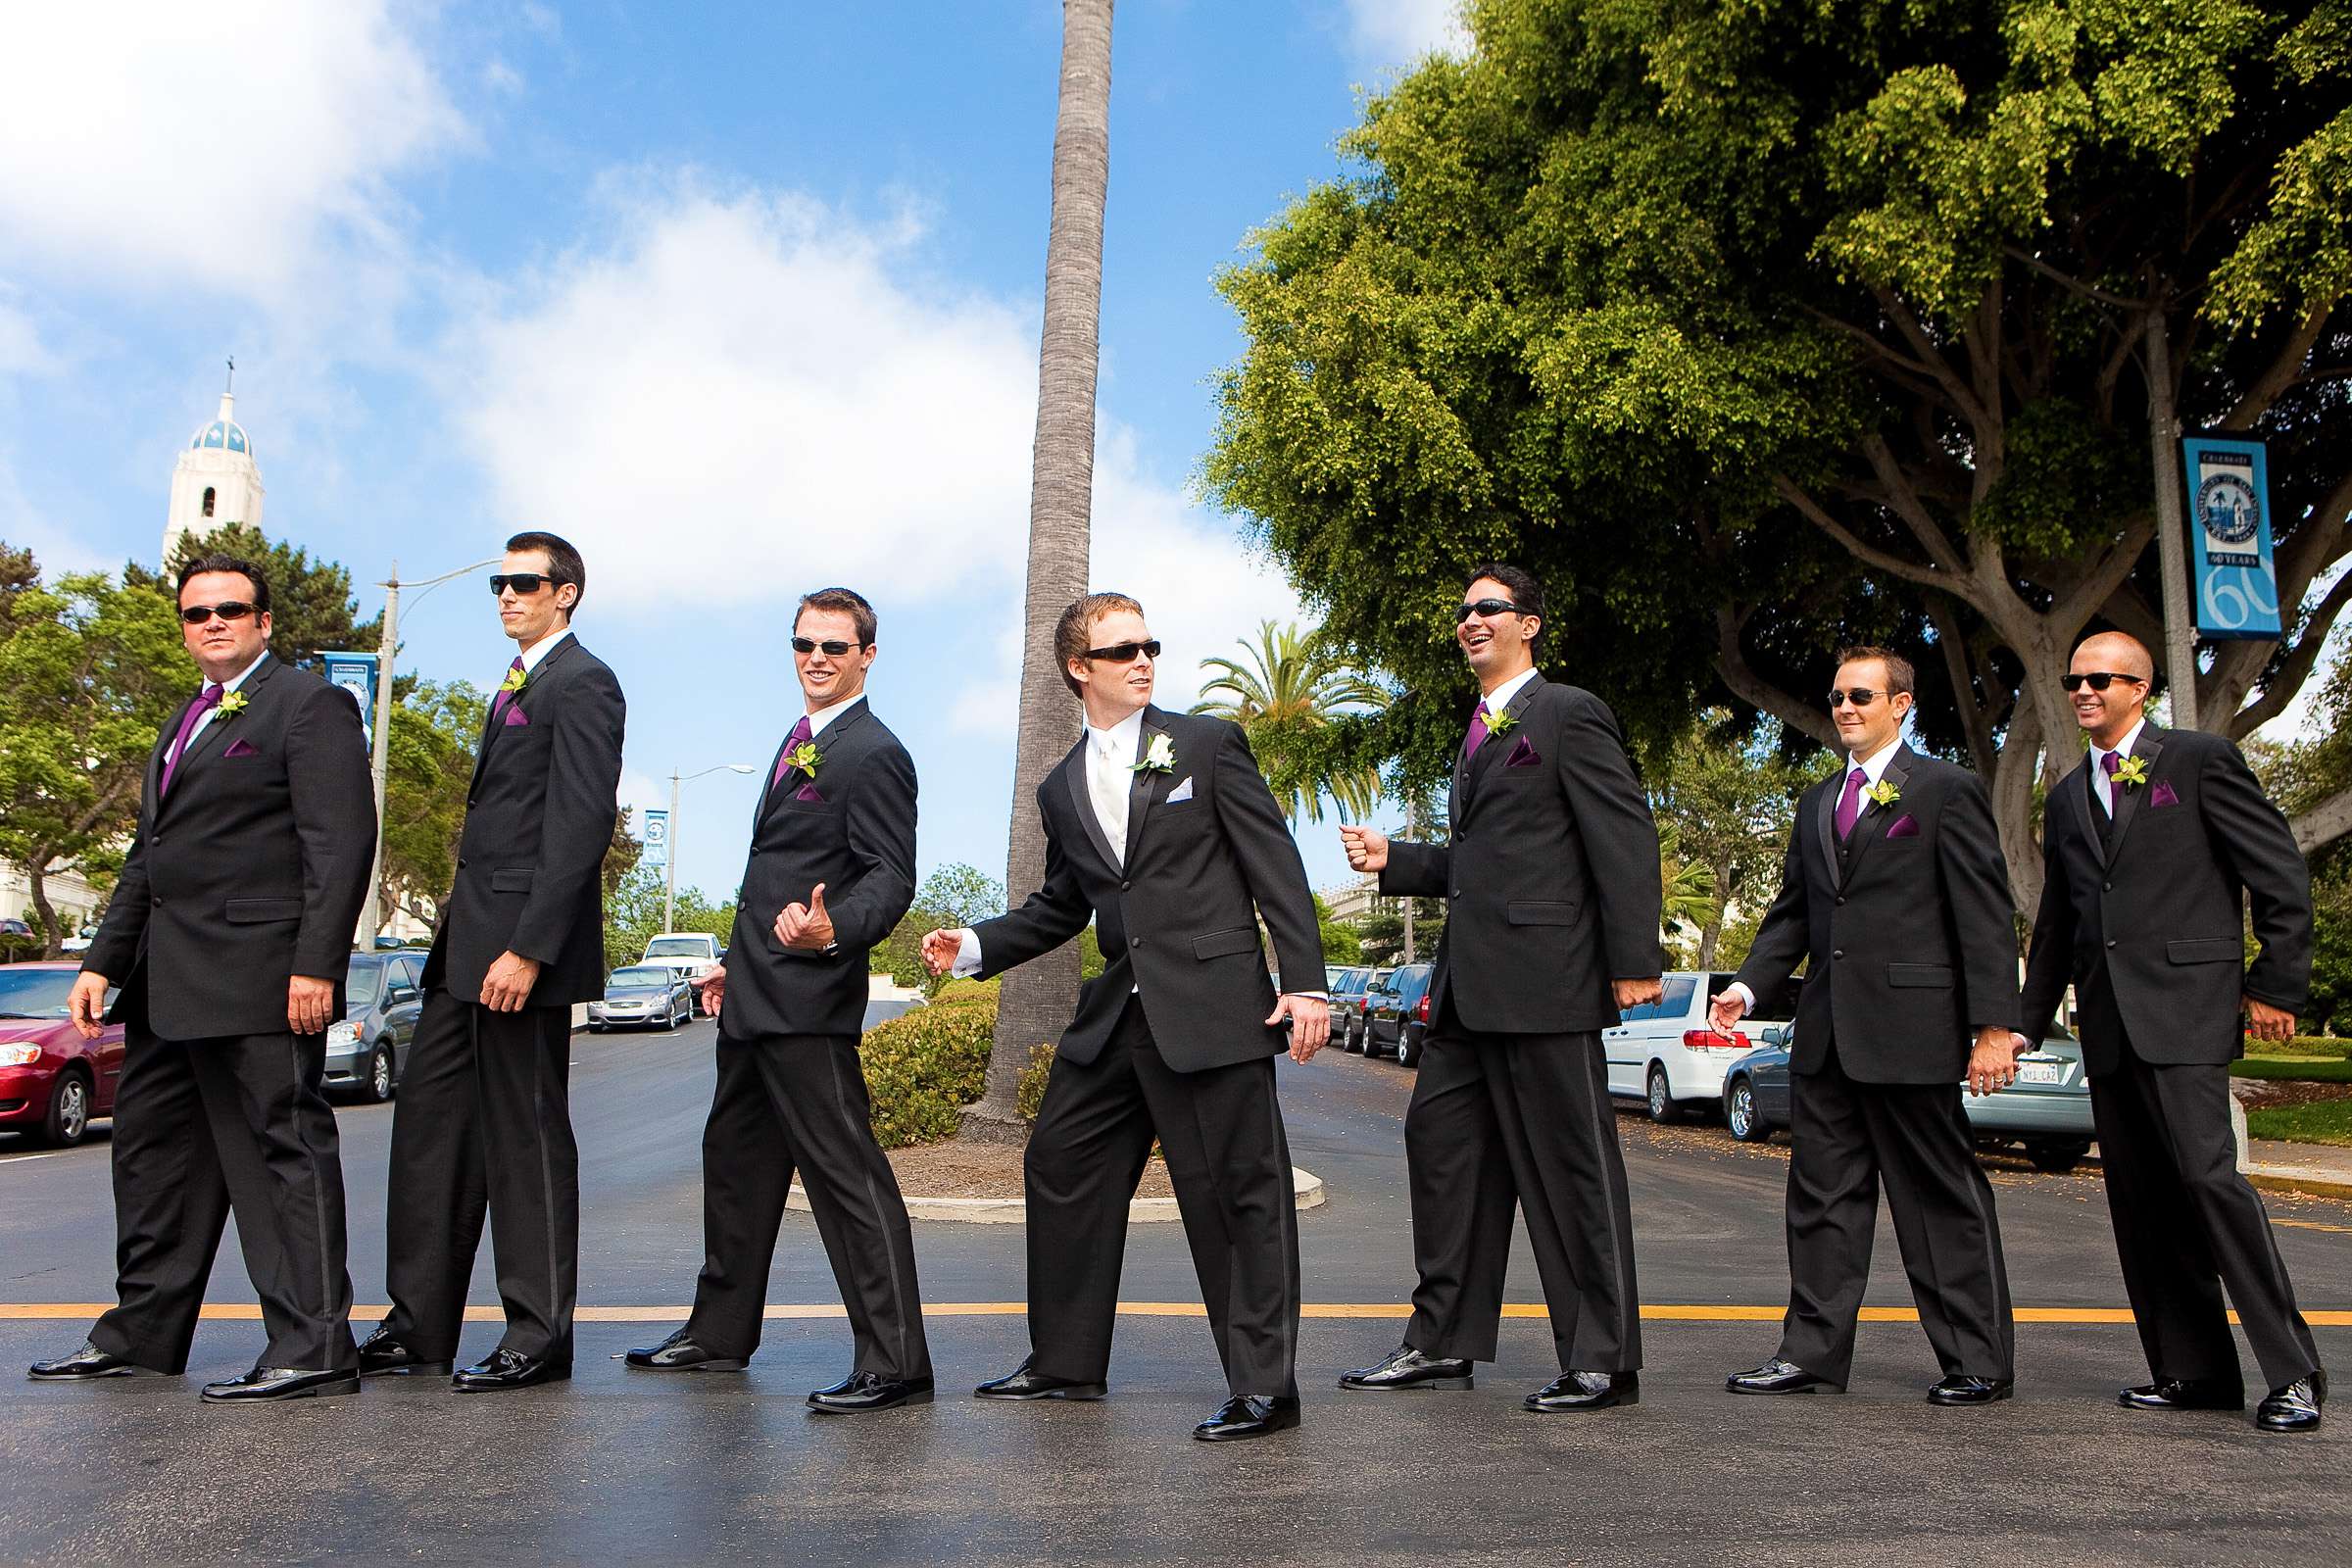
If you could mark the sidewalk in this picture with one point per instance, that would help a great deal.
(2322, 1168)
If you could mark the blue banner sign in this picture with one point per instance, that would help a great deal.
(657, 841)
(356, 674)
(2236, 581)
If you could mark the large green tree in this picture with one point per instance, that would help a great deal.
(1757, 329)
(1286, 696)
(1729, 797)
(311, 606)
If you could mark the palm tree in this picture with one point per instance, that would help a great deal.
(1690, 888)
(1297, 688)
(1035, 1000)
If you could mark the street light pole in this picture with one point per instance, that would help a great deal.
(669, 853)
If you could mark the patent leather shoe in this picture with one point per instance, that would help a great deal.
(1776, 1376)
(86, 1363)
(509, 1369)
(2183, 1394)
(1961, 1388)
(2295, 1407)
(679, 1354)
(1407, 1368)
(861, 1392)
(265, 1382)
(385, 1353)
(1249, 1415)
(1027, 1383)
(1585, 1391)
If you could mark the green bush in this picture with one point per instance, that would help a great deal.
(923, 1067)
(2301, 1046)
(2294, 1069)
(1033, 1081)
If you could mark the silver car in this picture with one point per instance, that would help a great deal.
(643, 995)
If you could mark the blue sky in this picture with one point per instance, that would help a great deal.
(741, 298)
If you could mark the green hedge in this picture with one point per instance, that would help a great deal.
(923, 1067)
(2301, 1046)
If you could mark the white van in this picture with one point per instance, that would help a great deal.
(1666, 1055)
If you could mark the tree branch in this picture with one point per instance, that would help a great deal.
(1904, 501)
(2324, 822)
(1731, 663)
(1953, 640)
(1933, 355)
(2283, 371)
(2283, 688)
(2070, 283)
(1869, 555)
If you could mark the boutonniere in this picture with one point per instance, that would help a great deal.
(513, 681)
(1884, 794)
(1501, 724)
(1159, 757)
(235, 703)
(2132, 772)
(805, 756)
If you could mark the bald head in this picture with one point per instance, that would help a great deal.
(2117, 651)
(2120, 664)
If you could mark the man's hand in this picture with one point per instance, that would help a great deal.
(1367, 850)
(2265, 1023)
(87, 1005)
(1726, 1010)
(941, 950)
(309, 1004)
(713, 987)
(1310, 1023)
(1633, 993)
(807, 926)
(508, 985)
(1992, 1064)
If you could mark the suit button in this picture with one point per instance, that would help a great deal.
(158, 902)
(472, 802)
(1135, 942)
(2106, 887)
(1457, 893)
(1840, 898)
(1837, 953)
(461, 863)
(2111, 942)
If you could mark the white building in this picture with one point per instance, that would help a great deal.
(1350, 901)
(216, 482)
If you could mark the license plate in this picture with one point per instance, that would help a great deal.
(2042, 1072)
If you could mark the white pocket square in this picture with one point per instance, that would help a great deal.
(1182, 791)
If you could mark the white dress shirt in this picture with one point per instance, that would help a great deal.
(1874, 768)
(1501, 698)
(205, 722)
(532, 656)
(2101, 784)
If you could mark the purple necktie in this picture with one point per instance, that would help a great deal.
(498, 704)
(1477, 733)
(1849, 805)
(2108, 764)
(205, 703)
(793, 742)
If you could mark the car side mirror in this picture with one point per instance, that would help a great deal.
(1776, 1036)
(402, 994)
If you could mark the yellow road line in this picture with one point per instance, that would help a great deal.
(1666, 1312)
(2312, 1225)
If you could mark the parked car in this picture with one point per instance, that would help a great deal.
(2048, 1109)
(1349, 983)
(643, 995)
(881, 1009)
(692, 954)
(1397, 1015)
(367, 1049)
(1666, 1055)
(53, 1083)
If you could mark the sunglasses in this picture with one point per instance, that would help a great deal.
(525, 583)
(1484, 607)
(833, 650)
(198, 615)
(1859, 696)
(2098, 679)
(1125, 653)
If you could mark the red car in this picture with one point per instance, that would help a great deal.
(52, 1082)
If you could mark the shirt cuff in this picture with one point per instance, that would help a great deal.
(968, 956)
(1746, 995)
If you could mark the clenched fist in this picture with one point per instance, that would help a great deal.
(941, 948)
(1367, 849)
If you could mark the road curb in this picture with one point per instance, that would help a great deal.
(2273, 1179)
(1307, 1192)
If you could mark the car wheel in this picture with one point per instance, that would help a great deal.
(379, 1072)
(2057, 1157)
(596, 1028)
(1662, 1108)
(677, 1019)
(68, 1119)
(1740, 1112)
(1409, 1051)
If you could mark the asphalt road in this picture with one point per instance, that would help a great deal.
(721, 1468)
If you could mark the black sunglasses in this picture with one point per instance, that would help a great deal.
(833, 650)
(230, 609)
(1484, 607)
(2099, 679)
(525, 583)
(1859, 696)
(1125, 653)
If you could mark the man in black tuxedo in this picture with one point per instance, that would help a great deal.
(831, 870)
(484, 1119)
(1895, 895)
(230, 931)
(1551, 929)
(1161, 830)
(2149, 850)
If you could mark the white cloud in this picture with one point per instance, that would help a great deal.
(1398, 32)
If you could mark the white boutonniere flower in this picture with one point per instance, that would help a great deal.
(1159, 757)
(1884, 794)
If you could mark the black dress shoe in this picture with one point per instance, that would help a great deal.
(384, 1354)
(2295, 1407)
(1776, 1376)
(1407, 1368)
(1585, 1391)
(509, 1369)
(2183, 1394)
(282, 1382)
(1960, 1388)
(861, 1392)
(1249, 1415)
(85, 1363)
(678, 1353)
(1027, 1383)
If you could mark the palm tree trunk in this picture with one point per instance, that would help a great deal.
(1036, 1000)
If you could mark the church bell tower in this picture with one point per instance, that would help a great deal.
(216, 481)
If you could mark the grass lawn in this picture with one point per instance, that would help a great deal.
(2326, 1121)
(2303, 1045)
(2301, 1069)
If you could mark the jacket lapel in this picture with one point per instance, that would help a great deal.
(2086, 800)
(1825, 813)
(1074, 778)
(824, 742)
(221, 732)
(1871, 827)
(2147, 748)
(1471, 770)
(494, 726)
(1140, 792)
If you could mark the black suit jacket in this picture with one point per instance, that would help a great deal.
(857, 837)
(1552, 876)
(252, 870)
(1180, 921)
(2148, 925)
(1906, 927)
(539, 819)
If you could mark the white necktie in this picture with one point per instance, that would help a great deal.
(1106, 782)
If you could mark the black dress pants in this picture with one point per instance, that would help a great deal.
(202, 1128)
(1220, 1131)
(1498, 1122)
(798, 1103)
(1847, 1138)
(483, 1124)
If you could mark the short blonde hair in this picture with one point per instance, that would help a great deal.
(1073, 633)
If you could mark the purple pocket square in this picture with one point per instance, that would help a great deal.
(1906, 827)
(808, 792)
(240, 746)
(1522, 755)
(516, 716)
(2161, 793)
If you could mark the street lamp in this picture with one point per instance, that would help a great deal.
(669, 891)
(387, 645)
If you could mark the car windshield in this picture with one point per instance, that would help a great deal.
(678, 948)
(35, 992)
(364, 984)
(643, 975)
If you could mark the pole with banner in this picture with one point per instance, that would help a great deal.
(656, 857)
(2235, 578)
(353, 673)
